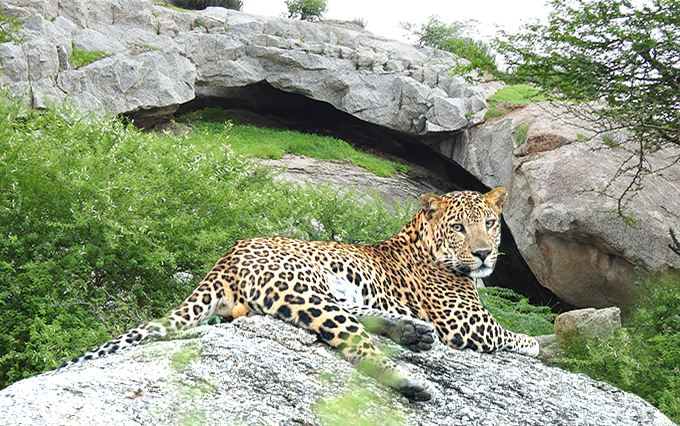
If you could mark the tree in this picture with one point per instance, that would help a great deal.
(306, 10)
(617, 63)
(457, 39)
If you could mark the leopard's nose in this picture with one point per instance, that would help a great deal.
(482, 254)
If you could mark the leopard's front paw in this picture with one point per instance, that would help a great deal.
(414, 334)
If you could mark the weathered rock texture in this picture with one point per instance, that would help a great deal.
(570, 235)
(160, 56)
(587, 323)
(399, 189)
(259, 371)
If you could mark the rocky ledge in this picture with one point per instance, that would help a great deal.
(259, 370)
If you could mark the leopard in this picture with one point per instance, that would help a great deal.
(416, 288)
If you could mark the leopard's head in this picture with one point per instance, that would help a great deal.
(465, 230)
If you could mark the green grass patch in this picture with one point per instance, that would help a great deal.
(508, 98)
(10, 29)
(520, 94)
(80, 58)
(261, 142)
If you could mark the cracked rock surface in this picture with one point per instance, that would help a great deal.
(260, 370)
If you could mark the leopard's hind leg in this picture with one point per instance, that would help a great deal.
(339, 328)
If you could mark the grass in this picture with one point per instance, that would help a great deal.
(80, 58)
(508, 98)
(261, 142)
(520, 135)
(519, 94)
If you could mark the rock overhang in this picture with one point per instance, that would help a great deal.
(157, 56)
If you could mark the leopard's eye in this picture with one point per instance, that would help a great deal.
(458, 227)
(490, 223)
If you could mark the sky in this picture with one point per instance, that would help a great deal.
(383, 16)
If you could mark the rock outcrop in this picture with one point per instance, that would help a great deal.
(159, 58)
(567, 232)
(259, 370)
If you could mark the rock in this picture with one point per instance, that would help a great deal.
(568, 234)
(586, 324)
(549, 347)
(159, 55)
(259, 370)
(399, 189)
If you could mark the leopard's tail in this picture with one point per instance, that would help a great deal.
(209, 299)
(132, 337)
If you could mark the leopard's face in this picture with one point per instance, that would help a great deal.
(465, 230)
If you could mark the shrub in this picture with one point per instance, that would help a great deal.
(642, 358)
(100, 224)
(457, 39)
(306, 10)
(513, 311)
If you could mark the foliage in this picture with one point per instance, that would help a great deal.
(80, 58)
(100, 225)
(644, 357)
(513, 311)
(202, 4)
(456, 38)
(274, 143)
(360, 22)
(616, 61)
(9, 28)
(306, 10)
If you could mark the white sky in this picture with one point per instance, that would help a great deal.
(383, 16)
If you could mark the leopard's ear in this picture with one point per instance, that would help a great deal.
(433, 206)
(495, 198)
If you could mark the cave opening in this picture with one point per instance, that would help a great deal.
(296, 112)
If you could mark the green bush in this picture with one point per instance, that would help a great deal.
(513, 311)
(458, 39)
(644, 357)
(306, 10)
(98, 220)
